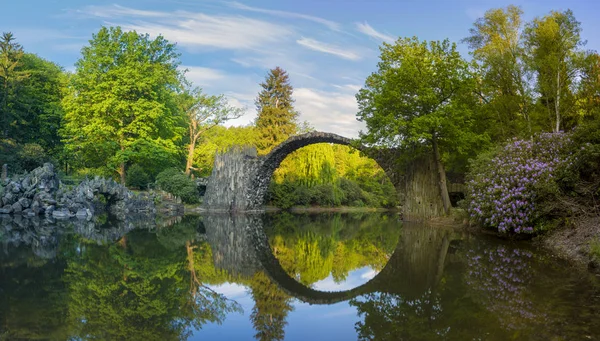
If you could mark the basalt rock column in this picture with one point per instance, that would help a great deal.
(231, 181)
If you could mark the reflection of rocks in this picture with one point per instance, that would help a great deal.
(39, 192)
(43, 233)
(232, 249)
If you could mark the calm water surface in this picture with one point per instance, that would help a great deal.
(284, 276)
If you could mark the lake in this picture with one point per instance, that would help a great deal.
(326, 276)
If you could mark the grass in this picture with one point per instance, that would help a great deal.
(595, 249)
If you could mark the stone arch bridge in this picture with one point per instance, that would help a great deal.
(240, 179)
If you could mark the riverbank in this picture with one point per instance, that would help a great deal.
(579, 242)
(195, 209)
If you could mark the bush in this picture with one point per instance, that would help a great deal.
(32, 156)
(282, 195)
(504, 187)
(174, 181)
(137, 177)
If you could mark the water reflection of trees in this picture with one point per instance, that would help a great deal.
(145, 286)
(488, 291)
(312, 247)
(154, 284)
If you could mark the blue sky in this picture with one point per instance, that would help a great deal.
(329, 47)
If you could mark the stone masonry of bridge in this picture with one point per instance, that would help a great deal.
(240, 178)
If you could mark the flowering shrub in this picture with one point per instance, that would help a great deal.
(501, 192)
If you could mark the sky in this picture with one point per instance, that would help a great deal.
(328, 47)
(327, 322)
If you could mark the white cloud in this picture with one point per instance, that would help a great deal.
(330, 24)
(232, 291)
(354, 88)
(116, 10)
(371, 32)
(203, 76)
(333, 112)
(196, 29)
(369, 274)
(328, 48)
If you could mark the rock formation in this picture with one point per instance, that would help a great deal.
(41, 193)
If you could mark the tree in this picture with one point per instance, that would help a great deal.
(276, 119)
(203, 113)
(121, 103)
(588, 93)
(37, 107)
(497, 47)
(420, 99)
(553, 42)
(11, 54)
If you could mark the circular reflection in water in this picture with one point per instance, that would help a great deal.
(325, 262)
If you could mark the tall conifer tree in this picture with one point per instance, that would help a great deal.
(276, 119)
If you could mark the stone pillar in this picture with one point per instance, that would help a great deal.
(422, 199)
(230, 182)
(4, 172)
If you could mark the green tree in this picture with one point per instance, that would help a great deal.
(421, 98)
(220, 139)
(276, 119)
(497, 47)
(271, 306)
(37, 108)
(204, 112)
(11, 54)
(121, 103)
(588, 93)
(553, 42)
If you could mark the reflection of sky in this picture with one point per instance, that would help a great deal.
(312, 322)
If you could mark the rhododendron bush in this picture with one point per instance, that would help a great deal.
(503, 185)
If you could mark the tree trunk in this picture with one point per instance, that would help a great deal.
(442, 176)
(121, 170)
(190, 157)
(122, 173)
(557, 102)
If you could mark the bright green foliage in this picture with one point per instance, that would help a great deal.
(276, 119)
(137, 177)
(271, 306)
(330, 175)
(11, 54)
(420, 96)
(220, 139)
(588, 102)
(204, 112)
(174, 181)
(504, 79)
(139, 290)
(121, 104)
(553, 42)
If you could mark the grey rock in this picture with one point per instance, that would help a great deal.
(61, 214)
(9, 198)
(17, 208)
(24, 202)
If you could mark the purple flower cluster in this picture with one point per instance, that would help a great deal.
(500, 278)
(501, 194)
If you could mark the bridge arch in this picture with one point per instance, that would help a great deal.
(271, 161)
(272, 267)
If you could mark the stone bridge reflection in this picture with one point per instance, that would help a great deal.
(241, 246)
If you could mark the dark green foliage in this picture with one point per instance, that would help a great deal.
(276, 119)
(22, 158)
(180, 185)
(137, 177)
(344, 192)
